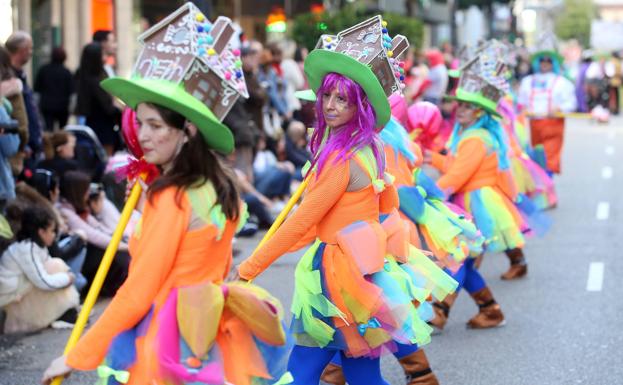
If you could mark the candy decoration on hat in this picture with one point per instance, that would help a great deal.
(366, 54)
(186, 48)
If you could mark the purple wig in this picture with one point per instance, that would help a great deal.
(355, 135)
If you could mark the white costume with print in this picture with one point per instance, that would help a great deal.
(543, 93)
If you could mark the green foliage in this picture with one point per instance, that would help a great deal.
(308, 27)
(574, 21)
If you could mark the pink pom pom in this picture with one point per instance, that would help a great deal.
(236, 52)
(228, 75)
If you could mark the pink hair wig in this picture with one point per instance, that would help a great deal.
(355, 135)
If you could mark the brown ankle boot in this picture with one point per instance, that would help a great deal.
(519, 267)
(442, 311)
(333, 375)
(417, 369)
(489, 314)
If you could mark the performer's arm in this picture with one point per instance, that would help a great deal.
(323, 194)
(164, 224)
(523, 96)
(564, 95)
(470, 154)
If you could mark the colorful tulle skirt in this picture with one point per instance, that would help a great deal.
(366, 292)
(533, 181)
(497, 218)
(207, 334)
(447, 231)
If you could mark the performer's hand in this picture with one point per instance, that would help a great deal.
(58, 368)
(142, 199)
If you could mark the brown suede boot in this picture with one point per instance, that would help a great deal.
(417, 369)
(519, 267)
(442, 311)
(489, 314)
(333, 375)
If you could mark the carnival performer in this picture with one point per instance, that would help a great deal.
(351, 286)
(545, 96)
(431, 222)
(174, 320)
(476, 170)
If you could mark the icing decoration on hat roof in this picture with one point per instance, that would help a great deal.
(186, 48)
(369, 42)
(547, 41)
(485, 74)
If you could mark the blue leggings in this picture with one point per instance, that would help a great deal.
(402, 352)
(469, 278)
(306, 365)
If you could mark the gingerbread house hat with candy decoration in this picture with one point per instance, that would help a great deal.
(366, 54)
(191, 66)
(483, 80)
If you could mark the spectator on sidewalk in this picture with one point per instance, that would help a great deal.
(106, 38)
(36, 289)
(438, 77)
(96, 105)
(75, 209)
(19, 46)
(42, 190)
(11, 87)
(9, 146)
(55, 84)
(59, 153)
(272, 177)
(296, 147)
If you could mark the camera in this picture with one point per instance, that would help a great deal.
(10, 127)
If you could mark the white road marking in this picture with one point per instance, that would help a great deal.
(606, 172)
(603, 211)
(595, 276)
(610, 150)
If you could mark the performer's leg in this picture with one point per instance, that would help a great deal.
(333, 373)
(489, 314)
(306, 364)
(442, 309)
(415, 365)
(519, 267)
(363, 371)
(552, 135)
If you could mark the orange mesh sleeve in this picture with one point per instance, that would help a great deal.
(470, 154)
(439, 161)
(322, 195)
(164, 225)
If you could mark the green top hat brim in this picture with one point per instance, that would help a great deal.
(321, 62)
(173, 96)
(550, 53)
(477, 99)
(307, 95)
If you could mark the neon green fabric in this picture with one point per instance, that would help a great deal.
(477, 99)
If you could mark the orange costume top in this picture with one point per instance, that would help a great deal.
(341, 300)
(474, 166)
(472, 176)
(169, 251)
(329, 207)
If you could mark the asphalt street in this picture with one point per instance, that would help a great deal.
(563, 320)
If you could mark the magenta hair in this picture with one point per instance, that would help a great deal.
(358, 133)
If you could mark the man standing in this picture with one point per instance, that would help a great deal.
(545, 96)
(109, 47)
(19, 45)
